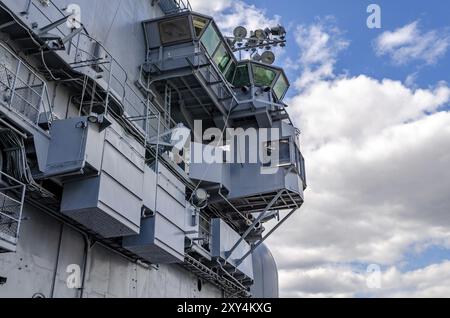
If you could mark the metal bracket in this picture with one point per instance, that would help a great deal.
(255, 246)
(27, 8)
(252, 226)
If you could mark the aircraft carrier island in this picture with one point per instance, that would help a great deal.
(141, 154)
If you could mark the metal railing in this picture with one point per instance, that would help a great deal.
(173, 6)
(22, 90)
(12, 196)
(89, 56)
(141, 112)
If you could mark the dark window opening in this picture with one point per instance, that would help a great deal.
(199, 25)
(242, 77)
(230, 72)
(176, 30)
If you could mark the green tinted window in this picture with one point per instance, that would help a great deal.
(210, 39)
(230, 73)
(199, 25)
(221, 58)
(175, 30)
(280, 87)
(242, 77)
(263, 76)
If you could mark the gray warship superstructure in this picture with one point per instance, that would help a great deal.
(99, 193)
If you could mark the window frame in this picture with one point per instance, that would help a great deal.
(280, 76)
(222, 44)
(208, 22)
(179, 41)
(233, 62)
(249, 74)
(211, 24)
(266, 68)
(279, 164)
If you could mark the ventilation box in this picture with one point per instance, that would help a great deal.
(110, 202)
(223, 238)
(161, 240)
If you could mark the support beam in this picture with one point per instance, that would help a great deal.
(251, 227)
(266, 237)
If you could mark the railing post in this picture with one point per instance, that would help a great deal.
(40, 103)
(22, 200)
(13, 88)
(108, 88)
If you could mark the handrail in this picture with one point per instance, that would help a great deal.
(20, 89)
(11, 212)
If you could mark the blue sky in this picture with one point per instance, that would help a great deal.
(373, 108)
(351, 19)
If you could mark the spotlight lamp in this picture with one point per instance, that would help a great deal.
(257, 41)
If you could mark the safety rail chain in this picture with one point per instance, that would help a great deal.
(12, 196)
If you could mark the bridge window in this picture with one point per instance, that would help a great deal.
(199, 25)
(281, 87)
(242, 77)
(285, 152)
(222, 58)
(230, 72)
(263, 76)
(210, 40)
(277, 153)
(176, 30)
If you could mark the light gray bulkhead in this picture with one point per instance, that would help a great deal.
(46, 247)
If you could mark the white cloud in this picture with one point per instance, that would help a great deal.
(230, 14)
(410, 43)
(377, 164)
(345, 281)
(377, 158)
(210, 7)
(319, 44)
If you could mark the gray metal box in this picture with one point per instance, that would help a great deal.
(102, 205)
(161, 239)
(110, 203)
(223, 238)
(208, 173)
(76, 144)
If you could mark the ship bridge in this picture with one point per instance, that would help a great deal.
(87, 132)
(193, 66)
(190, 61)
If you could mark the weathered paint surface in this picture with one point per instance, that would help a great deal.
(31, 269)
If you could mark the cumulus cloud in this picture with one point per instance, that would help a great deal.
(377, 158)
(377, 164)
(230, 14)
(410, 43)
(343, 281)
(319, 44)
